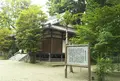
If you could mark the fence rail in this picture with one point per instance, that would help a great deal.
(50, 57)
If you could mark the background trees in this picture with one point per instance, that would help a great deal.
(10, 10)
(24, 21)
(75, 7)
(6, 42)
(60, 6)
(100, 29)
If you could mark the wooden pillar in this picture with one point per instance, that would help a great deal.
(49, 59)
(43, 41)
(65, 61)
(62, 45)
(51, 41)
(89, 64)
(61, 58)
(51, 44)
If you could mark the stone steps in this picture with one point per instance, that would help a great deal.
(18, 57)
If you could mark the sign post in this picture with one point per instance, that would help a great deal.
(78, 55)
(66, 62)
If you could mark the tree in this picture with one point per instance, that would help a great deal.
(29, 30)
(66, 21)
(75, 7)
(10, 10)
(5, 41)
(102, 3)
(60, 6)
(101, 29)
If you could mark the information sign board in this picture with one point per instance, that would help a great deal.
(77, 55)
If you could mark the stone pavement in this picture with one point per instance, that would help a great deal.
(20, 71)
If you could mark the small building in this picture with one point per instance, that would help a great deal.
(53, 41)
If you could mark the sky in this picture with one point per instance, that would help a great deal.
(42, 3)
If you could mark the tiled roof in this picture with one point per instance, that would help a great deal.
(51, 23)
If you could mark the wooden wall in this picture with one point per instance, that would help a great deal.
(53, 41)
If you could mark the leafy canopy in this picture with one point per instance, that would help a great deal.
(60, 6)
(5, 43)
(101, 29)
(29, 28)
(10, 10)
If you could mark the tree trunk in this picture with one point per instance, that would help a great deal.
(32, 57)
(5, 55)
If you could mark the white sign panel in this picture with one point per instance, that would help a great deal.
(77, 55)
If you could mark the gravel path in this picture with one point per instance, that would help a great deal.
(20, 71)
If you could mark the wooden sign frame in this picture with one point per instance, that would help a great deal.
(85, 66)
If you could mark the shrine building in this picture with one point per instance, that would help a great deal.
(53, 40)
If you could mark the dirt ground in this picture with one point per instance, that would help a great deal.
(20, 71)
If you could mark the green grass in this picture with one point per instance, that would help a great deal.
(1, 58)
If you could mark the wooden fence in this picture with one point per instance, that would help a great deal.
(50, 57)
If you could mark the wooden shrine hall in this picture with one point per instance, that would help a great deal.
(53, 41)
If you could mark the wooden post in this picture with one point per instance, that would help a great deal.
(66, 61)
(49, 57)
(71, 69)
(61, 58)
(51, 41)
(65, 71)
(89, 64)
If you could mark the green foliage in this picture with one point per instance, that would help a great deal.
(66, 18)
(101, 29)
(112, 2)
(10, 10)
(29, 28)
(5, 41)
(75, 8)
(102, 3)
(116, 63)
(103, 67)
(60, 6)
